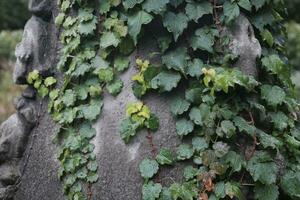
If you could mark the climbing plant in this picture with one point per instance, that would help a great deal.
(242, 131)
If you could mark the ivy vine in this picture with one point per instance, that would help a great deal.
(244, 131)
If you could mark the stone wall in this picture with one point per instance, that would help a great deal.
(28, 167)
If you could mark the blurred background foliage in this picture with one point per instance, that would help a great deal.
(293, 42)
(8, 91)
(14, 14)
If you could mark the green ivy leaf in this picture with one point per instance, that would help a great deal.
(151, 191)
(262, 168)
(184, 152)
(280, 120)
(115, 87)
(204, 39)
(82, 173)
(104, 6)
(274, 95)
(194, 95)
(49, 81)
(92, 111)
(243, 125)
(148, 168)
(38, 83)
(186, 191)
(33, 76)
(54, 94)
(228, 128)
(221, 149)
(195, 116)
(69, 98)
(135, 23)
(85, 14)
(245, 4)
(164, 42)
(220, 190)
(194, 68)
(184, 127)
(99, 63)
(179, 105)
(176, 60)
(274, 64)
(175, 23)
(152, 123)
(290, 183)
(43, 91)
(126, 46)
(65, 5)
(92, 177)
(131, 3)
(199, 144)
(155, 7)
(262, 19)
(92, 166)
(258, 3)
(81, 69)
(69, 22)
(133, 108)
(95, 91)
(267, 140)
(165, 81)
(128, 129)
(164, 157)
(231, 11)
(232, 189)
(196, 10)
(59, 19)
(165, 194)
(69, 179)
(263, 192)
(81, 92)
(109, 39)
(121, 63)
(190, 172)
(268, 37)
(66, 116)
(106, 75)
(234, 160)
(87, 131)
(87, 28)
(73, 142)
(139, 90)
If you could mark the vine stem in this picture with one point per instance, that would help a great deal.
(153, 150)
(89, 192)
(253, 148)
(215, 14)
(152, 146)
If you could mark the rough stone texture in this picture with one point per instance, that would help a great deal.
(118, 163)
(119, 176)
(118, 171)
(33, 52)
(244, 45)
(14, 134)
